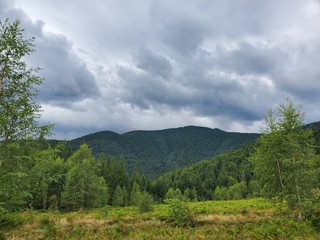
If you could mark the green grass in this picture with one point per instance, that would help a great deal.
(237, 219)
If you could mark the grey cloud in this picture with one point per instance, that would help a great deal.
(247, 58)
(229, 60)
(300, 74)
(195, 89)
(66, 77)
(153, 63)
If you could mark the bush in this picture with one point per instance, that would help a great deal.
(146, 203)
(180, 212)
(8, 221)
(53, 201)
(311, 209)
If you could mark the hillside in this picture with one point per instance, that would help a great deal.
(156, 152)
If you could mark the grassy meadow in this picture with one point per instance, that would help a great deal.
(233, 219)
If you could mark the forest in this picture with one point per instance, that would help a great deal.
(44, 182)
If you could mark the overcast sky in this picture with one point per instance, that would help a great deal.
(125, 65)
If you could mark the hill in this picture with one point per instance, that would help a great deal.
(226, 176)
(156, 152)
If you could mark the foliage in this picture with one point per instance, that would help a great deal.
(215, 220)
(173, 193)
(18, 115)
(311, 208)
(180, 212)
(156, 152)
(9, 220)
(136, 195)
(84, 188)
(120, 197)
(285, 158)
(53, 203)
(227, 176)
(146, 203)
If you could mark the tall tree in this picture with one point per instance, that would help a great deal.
(285, 157)
(84, 188)
(18, 111)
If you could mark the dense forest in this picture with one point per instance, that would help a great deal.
(58, 179)
(156, 152)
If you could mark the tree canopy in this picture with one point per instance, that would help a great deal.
(285, 158)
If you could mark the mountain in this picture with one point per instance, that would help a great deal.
(156, 152)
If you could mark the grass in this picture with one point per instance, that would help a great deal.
(238, 219)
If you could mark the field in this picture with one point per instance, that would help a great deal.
(236, 219)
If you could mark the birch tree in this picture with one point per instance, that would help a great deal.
(285, 156)
(18, 113)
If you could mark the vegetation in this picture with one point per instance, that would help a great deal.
(153, 153)
(236, 219)
(19, 129)
(82, 194)
(285, 159)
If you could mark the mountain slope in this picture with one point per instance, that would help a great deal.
(156, 152)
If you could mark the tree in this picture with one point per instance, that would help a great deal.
(84, 188)
(18, 112)
(135, 195)
(171, 193)
(18, 109)
(285, 156)
(146, 202)
(118, 197)
(46, 171)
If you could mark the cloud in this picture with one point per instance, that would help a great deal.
(153, 63)
(67, 77)
(157, 64)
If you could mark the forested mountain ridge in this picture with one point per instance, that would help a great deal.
(156, 152)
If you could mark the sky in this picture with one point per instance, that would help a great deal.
(124, 65)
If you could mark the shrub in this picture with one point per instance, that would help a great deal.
(180, 212)
(8, 221)
(53, 201)
(311, 209)
(146, 203)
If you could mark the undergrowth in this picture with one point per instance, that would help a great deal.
(238, 219)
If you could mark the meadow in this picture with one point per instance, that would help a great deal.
(233, 219)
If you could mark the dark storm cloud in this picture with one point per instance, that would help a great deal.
(196, 89)
(220, 63)
(153, 63)
(66, 77)
(248, 58)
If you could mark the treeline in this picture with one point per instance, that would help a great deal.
(227, 176)
(81, 181)
(54, 178)
(50, 176)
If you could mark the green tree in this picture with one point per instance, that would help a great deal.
(18, 113)
(180, 212)
(173, 193)
(118, 197)
(285, 157)
(190, 194)
(83, 188)
(135, 196)
(146, 202)
(43, 174)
